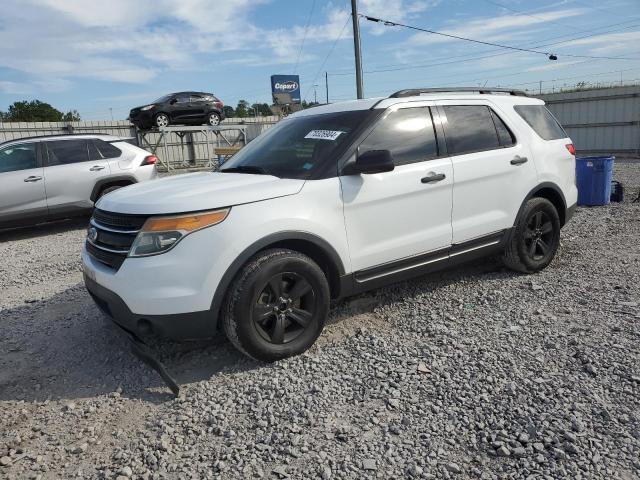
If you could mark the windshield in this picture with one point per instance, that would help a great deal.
(164, 98)
(297, 147)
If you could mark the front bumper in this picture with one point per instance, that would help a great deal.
(182, 326)
(142, 119)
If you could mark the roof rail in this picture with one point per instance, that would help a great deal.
(411, 92)
(39, 137)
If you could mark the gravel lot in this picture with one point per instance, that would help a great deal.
(475, 373)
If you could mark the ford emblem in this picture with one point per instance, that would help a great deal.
(92, 234)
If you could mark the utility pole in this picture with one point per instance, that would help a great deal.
(111, 112)
(315, 93)
(540, 87)
(326, 84)
(356, 46)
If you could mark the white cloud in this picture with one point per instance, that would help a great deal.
(14, 87)
(552, 66)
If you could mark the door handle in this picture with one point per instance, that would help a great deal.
(32, 178)
(519, 160)
(434, 177)
(95, 168)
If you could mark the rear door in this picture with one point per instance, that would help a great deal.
(22, 190)
(73, 168)
(181, 108)
(198, 106)
(493, 169)
(405, 212)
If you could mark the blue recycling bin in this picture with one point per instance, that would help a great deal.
(593, 175)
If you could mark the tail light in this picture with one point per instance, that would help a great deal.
(571, 148)
(149, 160)
(219, 104)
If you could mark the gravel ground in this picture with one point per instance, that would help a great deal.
(473, 373)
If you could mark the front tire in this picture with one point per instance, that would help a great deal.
(277, 305)
(535, 239)
(162, 120)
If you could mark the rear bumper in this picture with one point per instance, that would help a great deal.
(183, 326)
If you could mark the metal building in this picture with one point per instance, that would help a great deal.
(600, 121)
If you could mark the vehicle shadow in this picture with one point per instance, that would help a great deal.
(63, 348)
(40, 230)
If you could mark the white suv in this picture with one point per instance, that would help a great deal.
(330, 202)
(59, 176)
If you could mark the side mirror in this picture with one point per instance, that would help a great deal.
(373, 161)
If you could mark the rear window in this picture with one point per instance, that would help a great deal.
(106, 149)
(469, 129)
(63, 152)
(541, 120)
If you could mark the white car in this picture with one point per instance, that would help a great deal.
(330, 202)
(58, 176)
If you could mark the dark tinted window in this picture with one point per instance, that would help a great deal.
(505, 135)
(18, 157)
(197, 98)
(183, 99)
(93, 151)
(300, 146)
(407, 133)
(469, 128)
(62, 152)
(541, 120)
(107, 150)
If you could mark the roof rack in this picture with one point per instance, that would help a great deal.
(38, 137)
(411, 92)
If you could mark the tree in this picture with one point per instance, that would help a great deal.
(262, 109)
(306, 104)
(37, 111)
(242, 110)
(228, 111)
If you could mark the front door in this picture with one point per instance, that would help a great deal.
(22, 192)
(405, 212)
(74, 167)
(494, 169)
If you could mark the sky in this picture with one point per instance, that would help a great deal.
(104, 57)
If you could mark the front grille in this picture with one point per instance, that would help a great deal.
(115, 235)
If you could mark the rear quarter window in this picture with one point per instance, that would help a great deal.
(541, 120)
(106, 149)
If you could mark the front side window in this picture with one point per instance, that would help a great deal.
(18, 157)
(407, 133)
(298, 147)
(469, 128)
(541, 120)
(63, 152)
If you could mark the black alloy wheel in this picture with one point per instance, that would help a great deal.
(284, 308)
(538, 236)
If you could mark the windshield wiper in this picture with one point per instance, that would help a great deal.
(246, 169)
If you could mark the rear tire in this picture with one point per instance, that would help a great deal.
(534, 240)
(277, 305)
(214, 119)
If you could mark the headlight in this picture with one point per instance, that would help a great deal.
(148, 107)
(161, 234)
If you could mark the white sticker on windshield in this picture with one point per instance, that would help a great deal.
(323, 134)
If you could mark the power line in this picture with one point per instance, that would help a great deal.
(520, 12)
(304, 37)
(550, 55)
(404, 66)
(328, 54)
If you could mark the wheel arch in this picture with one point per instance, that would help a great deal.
(121, 180)
(551, 192)
(316, 248)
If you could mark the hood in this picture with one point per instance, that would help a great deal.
(197, 191)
